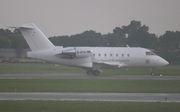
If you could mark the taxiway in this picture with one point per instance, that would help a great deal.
(84, 76)
(125, 97)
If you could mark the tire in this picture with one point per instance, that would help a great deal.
(152, 73)
(89, 72)
(96, 72)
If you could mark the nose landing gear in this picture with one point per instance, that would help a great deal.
(93, 72)
(152, 72)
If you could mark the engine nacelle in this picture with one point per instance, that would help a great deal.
(82, 52)
(76, 52)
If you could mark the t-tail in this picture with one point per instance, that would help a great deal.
(34, 37)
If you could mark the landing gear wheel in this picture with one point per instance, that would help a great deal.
(152, 72)
(96, 72)
(89, 72)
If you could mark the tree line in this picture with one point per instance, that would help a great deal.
(134, 35)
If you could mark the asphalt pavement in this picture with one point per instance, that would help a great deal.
(84, 76)
(120, 97)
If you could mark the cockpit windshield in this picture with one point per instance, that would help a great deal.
(149, 53)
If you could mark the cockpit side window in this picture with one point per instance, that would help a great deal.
(149, 53)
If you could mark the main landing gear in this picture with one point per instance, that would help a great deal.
(93, 72)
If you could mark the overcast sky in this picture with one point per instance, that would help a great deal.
(69, 17)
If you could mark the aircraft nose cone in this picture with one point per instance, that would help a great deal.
(164, 62)
(161, 62)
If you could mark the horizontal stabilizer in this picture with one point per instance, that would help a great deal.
(26, 26)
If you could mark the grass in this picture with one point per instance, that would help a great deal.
(36, 68)
(86, 85)
(83, 106)
(46, 68)
(90, 85)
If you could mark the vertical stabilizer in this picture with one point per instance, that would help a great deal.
(34, 37)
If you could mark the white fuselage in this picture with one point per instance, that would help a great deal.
(120, 56)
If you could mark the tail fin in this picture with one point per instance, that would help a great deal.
(34, 37)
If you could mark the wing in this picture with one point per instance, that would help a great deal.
(103, 64)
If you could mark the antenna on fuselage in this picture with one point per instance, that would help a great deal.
(127, 45)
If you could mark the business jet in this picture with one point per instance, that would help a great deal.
(92, 59)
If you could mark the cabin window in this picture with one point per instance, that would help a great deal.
(88, 51)
(128, 55)
(99, 55)
(111, 55)
(116, 55)
(150, 53)
(93, 54)
(105, 55)
(122, 55)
